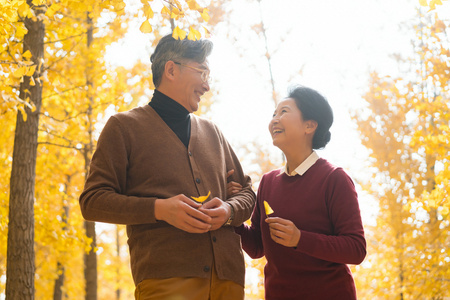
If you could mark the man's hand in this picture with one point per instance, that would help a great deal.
(218, 210)
(232, 186)
(183, 213)
(283, 231)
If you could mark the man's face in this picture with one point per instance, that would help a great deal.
(191, 85)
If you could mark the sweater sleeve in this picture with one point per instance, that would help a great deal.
(242, 202)
(103, 198)
(251, 235)
(347, 245)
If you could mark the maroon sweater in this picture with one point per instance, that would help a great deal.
(323, 204)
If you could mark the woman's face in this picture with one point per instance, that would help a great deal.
(287, 127)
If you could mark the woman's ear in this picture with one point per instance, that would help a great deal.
(311, 126)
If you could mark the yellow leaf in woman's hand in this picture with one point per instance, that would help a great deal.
(268, 209)
(201, 199)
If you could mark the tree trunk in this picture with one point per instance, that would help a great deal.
(90, 259)
(90, 264)
(118, 291)
(59, 283)
(20, 249)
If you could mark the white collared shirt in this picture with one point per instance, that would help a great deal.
(304, 166)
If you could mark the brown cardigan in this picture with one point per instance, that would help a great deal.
(139, 159)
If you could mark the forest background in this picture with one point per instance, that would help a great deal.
(66, 66)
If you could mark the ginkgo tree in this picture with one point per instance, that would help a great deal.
(46, 75)
(406, 127)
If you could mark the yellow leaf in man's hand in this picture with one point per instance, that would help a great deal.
(267, 208)
(201, 199)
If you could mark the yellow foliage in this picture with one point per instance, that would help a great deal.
(406, 127)
(194, 34)
(431, 3)
(146, 27)
(178, 33)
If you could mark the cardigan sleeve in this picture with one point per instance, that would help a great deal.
(347, 245)
(103, 198)
(251, 235)
(242, 202)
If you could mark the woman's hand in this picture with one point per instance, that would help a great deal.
(232, 187)
(283, 232)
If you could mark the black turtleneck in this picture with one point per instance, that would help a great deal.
(174, 114)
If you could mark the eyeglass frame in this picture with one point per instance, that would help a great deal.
(204, 72)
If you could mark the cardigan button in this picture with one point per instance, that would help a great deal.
(206, 269)
(214, 239)
(198, 180)
(190, 153)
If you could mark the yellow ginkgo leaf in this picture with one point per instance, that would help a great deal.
(192, 4)
(423, 2)
(118, 6)
(146, 27)
(52, 10)
(445, 211)
(205, 15)
(148, 12)
(30, 70)
(194, 34)
(165, 11)
(207, 32)
(201, 199)
(267, 208)
(18, 73)
(178, 34)
(27, 54)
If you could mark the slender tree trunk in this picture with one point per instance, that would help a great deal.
(118, 291)
(20, 249)
(59, 282)
(90, 259)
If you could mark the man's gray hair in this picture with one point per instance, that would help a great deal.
(180, 51)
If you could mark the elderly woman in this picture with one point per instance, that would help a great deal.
(307, 220)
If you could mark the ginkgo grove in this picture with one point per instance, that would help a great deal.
(406, 128)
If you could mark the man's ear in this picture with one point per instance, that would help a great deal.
(311, 126)
(170, 70)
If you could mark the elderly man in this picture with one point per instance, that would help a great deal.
(150, 163)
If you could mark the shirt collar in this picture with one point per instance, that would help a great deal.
(304, 166)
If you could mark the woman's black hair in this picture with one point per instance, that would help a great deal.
(314, 107)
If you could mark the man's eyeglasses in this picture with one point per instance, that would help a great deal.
(204, 72)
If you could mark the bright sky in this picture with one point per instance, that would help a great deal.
(329, 45)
